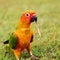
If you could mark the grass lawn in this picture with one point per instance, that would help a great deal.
(48, 13)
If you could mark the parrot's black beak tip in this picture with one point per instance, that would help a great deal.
(33, 18)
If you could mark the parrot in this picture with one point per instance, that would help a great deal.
(22, 36)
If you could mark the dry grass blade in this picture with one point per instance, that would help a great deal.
(38, 30)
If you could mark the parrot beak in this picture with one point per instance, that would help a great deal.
(33, 18)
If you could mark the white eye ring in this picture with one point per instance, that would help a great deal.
(27, 14)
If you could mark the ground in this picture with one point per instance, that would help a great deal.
(48, 13)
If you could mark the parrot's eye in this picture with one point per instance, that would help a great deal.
(27, 14)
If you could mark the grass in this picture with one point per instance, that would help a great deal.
(48, 13)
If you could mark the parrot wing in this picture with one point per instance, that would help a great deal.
(12, 41)
(31, 38)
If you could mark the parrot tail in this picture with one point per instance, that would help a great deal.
(6, 42)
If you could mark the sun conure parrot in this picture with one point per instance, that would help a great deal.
(22, 36)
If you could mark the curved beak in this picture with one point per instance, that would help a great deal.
(33, 18)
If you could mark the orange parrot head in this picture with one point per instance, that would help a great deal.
(28, 17)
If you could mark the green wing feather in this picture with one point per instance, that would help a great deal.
(13, 41)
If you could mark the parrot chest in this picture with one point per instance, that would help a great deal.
(24, 38)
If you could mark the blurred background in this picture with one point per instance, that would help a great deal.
(48, 13)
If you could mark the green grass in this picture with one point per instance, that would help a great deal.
(48, 13)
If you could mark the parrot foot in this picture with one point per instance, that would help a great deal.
(17, 58)
(34, 57)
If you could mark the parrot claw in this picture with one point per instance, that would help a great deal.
(17, 58)
(34, 57)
